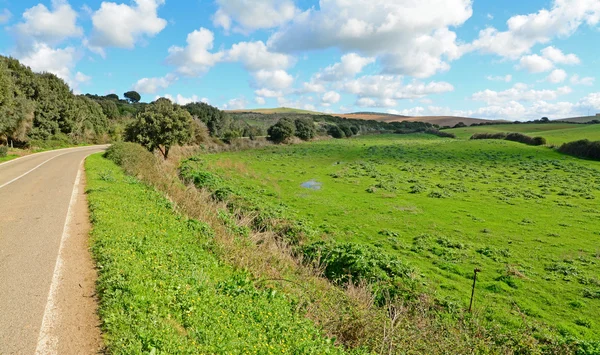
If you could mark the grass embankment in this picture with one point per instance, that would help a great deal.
(163, 290)
(525, 215)
(555, 133)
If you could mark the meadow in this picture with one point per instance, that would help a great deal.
(555, 133)
(526, 216)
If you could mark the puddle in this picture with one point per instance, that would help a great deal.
(312, 184)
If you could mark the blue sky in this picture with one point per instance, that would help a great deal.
(509, 59)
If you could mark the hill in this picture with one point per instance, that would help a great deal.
(583, 119)
(374, 116)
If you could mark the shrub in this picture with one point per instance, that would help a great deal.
(282, 130)
(132, 157)
(335, 132)
(437, 132)
(305, 128)
(582, 148)
(347, 131)
(3, 151)
(489, 136)
(515, 137)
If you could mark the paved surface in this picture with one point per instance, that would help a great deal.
(43, 218)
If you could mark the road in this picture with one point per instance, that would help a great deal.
(46, 275)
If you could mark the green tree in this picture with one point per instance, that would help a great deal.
(132, 96)
(114, 97)
(335, 132)
(160, 126)
(217, 121)
(305, 128)
(282, 130)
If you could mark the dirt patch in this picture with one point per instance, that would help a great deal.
(78, 325)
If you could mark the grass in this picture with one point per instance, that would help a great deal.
(163, 290)
(527, 216)
(555, 133)
(8, 157)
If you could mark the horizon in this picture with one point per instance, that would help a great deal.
(432, 58)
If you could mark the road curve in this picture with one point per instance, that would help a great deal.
(37, 195)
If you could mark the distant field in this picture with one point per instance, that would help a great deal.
(527, 216)
(279, 110)
(555, 133)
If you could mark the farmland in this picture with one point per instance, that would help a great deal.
(555, 133)
(526, 216)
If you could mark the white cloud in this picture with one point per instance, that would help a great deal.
(366, 102)
(411, 112)
(519, 93)
(5, 16)
(506, 78)
(82, 78)
(273, 79)
(121, 25)
(490, 16)
(182, 100)
(525, 31)
(253, 15)
(591, 101)
(312, 87)
(152, 85)
(260, 100)
(535, 64)
(331, 97)
(557, 76)
(558, 57)
(587, 81)
(392, 87)
(350, 65)
(195, 58)
(49, 26)
(235, 104)
(60, 61)
(410, 37)
(255, 56)
(268, 93)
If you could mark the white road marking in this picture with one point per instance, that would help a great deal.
(18, 177)
(47, 343)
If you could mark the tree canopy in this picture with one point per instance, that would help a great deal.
(132, 96)
(160, 126)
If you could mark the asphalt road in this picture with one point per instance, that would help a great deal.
(36, 195)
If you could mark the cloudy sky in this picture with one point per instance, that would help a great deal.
(510, 59)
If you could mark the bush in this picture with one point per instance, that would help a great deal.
(437, 132)
(514, 137)
(131, 157)
(282, 130)
(3, 151)
(347, 131)
(489, 136)
(305, 128)
(582, 148)
(335, 132)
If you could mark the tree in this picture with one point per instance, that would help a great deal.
(305, 128)
(217, 121)
(346, 129)
(132, 96)
(114, 97)
(282, 130)
(160, 126)
(545, 119)
(335, 132)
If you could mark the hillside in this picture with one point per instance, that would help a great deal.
(374, 116)
(583, 119)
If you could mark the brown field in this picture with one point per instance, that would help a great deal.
(439, 120)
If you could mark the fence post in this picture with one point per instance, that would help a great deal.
(473, 290)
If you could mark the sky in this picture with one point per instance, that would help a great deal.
(509, 59)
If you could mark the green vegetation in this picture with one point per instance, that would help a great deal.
(582, 148)
(555, 133)
(525, 215)
(162, 289)
(514, 137)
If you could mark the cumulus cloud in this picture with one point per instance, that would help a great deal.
(535, 64)
(587, 81)
(350, 65)
(182, 100)
(558, 57)
(256, 56)
(273, 79)
(557, 76)
(331, 97)
(253, 15)
(392, 87)
(410, 37)
(525, 31)
(195, 58)
(260, 100)
(121, 25)
(41, 24)
(59, 61)
(506, 78)
(519, 93)
(268, 93)
(152, 85)
(235, 104)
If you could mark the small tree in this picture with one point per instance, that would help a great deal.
(545, 119)
(305, 128)
(132, 96)
(347, 131)
(160, 126)
(282, 130)
(335, 132)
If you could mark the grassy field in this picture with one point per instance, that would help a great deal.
(162, 290)
(555, 133)
(528, 217)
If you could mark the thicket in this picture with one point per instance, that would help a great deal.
(582, 149)
(515, 137)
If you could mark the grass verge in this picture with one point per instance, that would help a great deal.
(163, 290)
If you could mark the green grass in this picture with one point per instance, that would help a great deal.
(555, 133)
(8, 157)
(162, 290)
(527, 216)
